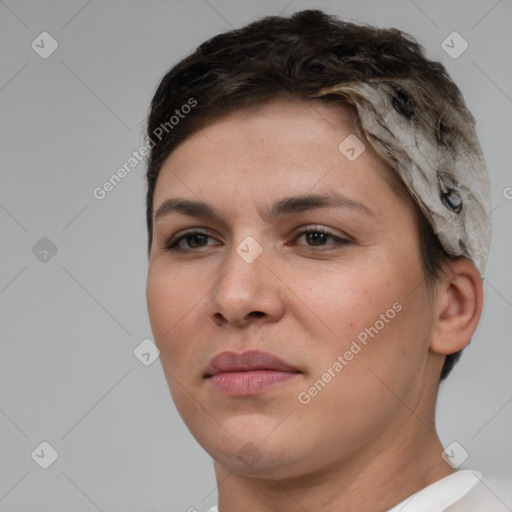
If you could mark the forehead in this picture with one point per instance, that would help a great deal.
(281, 143)
(271, 127)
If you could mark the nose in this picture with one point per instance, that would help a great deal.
(247, 292)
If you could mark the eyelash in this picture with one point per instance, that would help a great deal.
(172, 245)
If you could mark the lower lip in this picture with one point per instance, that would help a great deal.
(248, 382)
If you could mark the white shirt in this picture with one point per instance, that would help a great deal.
(462, 491)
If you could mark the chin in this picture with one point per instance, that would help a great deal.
(253, 451)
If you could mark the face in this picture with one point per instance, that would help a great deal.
(329, 283)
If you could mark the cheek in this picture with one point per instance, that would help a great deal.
(158, 302)
(169, 295)
(166, 302)
(175, 302)
(373, 306)
(346, 300)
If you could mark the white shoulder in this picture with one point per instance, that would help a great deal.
(485, 496)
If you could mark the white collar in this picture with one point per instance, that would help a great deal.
(438, 496)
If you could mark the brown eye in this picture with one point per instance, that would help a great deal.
(318, 237)
(188, 241)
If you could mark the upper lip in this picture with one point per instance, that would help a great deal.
(246, 361)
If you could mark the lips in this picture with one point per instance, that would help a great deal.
(252, 372)
(250, 360)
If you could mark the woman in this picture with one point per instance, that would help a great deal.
(318, 219)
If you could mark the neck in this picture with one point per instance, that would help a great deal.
(374, 481)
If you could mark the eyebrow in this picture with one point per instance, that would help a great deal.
(282, 207)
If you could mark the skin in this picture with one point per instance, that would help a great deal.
(367, 440)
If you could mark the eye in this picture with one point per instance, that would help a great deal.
(193, 238)
(196, 239)
(317, 237)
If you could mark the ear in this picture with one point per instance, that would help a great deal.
(459, 306)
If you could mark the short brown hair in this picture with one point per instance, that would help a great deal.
(294, 57)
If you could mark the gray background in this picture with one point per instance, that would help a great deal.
(70, 324)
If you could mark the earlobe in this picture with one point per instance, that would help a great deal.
(459, 307)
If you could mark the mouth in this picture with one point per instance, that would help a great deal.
(247, 373)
